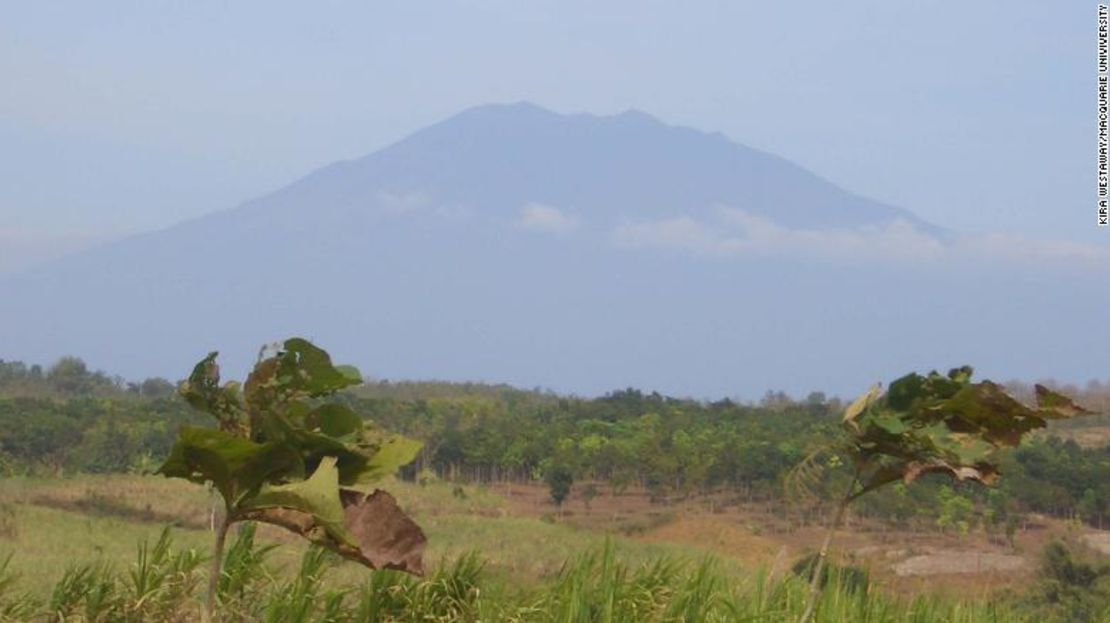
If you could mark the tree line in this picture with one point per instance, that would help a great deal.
(68, 418)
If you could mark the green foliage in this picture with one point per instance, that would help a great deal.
(559, 481)
(624, 440)
(929, 424)
(13, 606)
(243, 566)
(280, 456)
(299, 600)
(452, 593)
(596, 586)
(157, 587)
(944, 424)
(1070, 590)
(956, 511)
(846, 577)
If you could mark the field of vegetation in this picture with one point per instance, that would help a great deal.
(540, 507)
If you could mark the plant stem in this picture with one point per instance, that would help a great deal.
(214, 570)
(819, 565)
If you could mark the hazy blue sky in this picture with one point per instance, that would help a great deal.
(127, 116)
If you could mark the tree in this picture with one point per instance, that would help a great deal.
(589, 492)
(69, 375)
(281, 455)
(955, 511)
(156, 387)
(927, 424)
(559, 481)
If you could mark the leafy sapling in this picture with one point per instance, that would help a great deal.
(921, 424)
(282, 455)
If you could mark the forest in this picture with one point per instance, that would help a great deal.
(66, 418)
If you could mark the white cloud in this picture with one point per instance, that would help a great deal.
(734, 232)
(403, 201)
(539, 217)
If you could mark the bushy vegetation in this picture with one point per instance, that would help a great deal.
(1071, 588)
(598, 586)
(66, 418)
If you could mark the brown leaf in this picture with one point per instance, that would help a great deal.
(385, 536)
(1055, 405)
(983, 473)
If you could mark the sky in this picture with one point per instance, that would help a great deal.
(125, 117)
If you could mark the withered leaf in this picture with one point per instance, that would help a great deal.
(384, 537)
(1056, 406)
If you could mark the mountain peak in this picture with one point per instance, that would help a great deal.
(527, 110)
(638, 116)
(496, 158)
(519, 109)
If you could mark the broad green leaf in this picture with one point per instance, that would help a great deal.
(235, 466)
(334, 420)
(903, 392)
(314, 447)
(890, 423)
(317, 497)
(393, 453)
(306, 368)
(351, 373)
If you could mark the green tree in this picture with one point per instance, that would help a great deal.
(956, 511)
(69, 375)
(559, 481)
(156, 387)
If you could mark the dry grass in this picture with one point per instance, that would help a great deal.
(515, 530)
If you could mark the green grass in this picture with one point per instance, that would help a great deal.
(103, 518)
(75, 552)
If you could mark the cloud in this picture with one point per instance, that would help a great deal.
(402, 202)
(733, 232)
(539, 217)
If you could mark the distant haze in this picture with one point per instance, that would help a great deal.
(509, 243)
(132, 116)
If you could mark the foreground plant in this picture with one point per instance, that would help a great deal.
(921, 424)
(281, 455)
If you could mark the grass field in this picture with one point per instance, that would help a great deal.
(533, 566)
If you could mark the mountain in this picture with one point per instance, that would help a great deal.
(578, 252)
(496, 159)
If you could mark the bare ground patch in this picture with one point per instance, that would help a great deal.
(1098, 541)
(946, 562)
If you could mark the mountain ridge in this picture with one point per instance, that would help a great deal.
(486, 247)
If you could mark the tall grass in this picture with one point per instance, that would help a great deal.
(598, 586)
